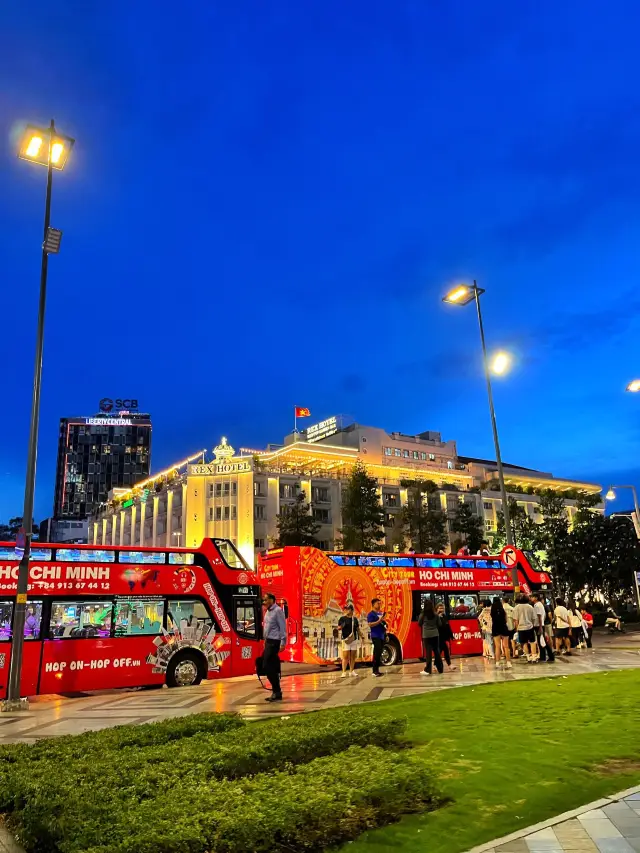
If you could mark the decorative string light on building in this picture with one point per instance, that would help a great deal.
(223, 450)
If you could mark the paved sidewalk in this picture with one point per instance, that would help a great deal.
(611, 825)
(58, 715)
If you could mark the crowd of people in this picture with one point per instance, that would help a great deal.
(533, 629)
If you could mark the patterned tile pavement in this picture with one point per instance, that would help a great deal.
(611, 825)
(58, 715)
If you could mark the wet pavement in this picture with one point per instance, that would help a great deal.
(303, 691)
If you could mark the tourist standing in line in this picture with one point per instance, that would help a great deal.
(446, 635)
(350, 630)
(378, 629)
(578, 638)
(485, 627)
(511, 625)
(500, 633)
(429, 622)
(563, 628)
(275, 639)
(542, 625)
(524, 616)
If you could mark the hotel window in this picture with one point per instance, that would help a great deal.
(397, 451)
(405, 454)
(218, 513)
(449, 463)
(320, 494)
(218, 490)
(488, 525)
(390, 500)
(210, 490)
(258, 491)
(234, 512)
(416, 455)
(487, 505)
(258, 512)
(432, 457)
(210, 513)
(234, 488)
(321, 515)
(388, 451)
(389, 519)
(288, 490)
(258, 543)
(423, 455)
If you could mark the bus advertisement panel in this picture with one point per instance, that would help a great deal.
(314, 586)
(113, 617)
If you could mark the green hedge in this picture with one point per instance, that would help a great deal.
(149, 734)
(52, 800)
(327, 801)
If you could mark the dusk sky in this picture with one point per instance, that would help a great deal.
(267, 201)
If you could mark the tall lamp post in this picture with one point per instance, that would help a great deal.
(463, 294)
(46, 147)
(611, 496)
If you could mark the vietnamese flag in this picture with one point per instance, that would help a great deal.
(302, 412)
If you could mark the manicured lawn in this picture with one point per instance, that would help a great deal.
(510, 755)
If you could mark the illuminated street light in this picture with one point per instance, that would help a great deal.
(463, 294)
(47, 148)
(37, 141)
(634, 385)
(500, 363)
(611, 495)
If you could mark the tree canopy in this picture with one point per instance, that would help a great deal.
(362, 513)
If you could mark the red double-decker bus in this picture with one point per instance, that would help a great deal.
(314, 586)
(107, 617)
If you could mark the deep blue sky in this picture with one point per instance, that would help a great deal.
(267, 200)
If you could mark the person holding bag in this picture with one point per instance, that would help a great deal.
(348, 625)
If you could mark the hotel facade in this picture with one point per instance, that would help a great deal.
(238, 496)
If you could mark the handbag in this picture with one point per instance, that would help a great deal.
(347, 640)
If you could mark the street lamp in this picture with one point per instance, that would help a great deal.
(46, 147)
(500, 363)
(634, 386)
(463, 294)
(611, 496)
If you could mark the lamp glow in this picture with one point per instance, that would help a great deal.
(634, 385)
(454, 296)
(610, 496)
(500, 363)
(34, 146)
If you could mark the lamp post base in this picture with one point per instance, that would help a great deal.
(13, 705)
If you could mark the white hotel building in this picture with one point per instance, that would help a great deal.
(238, 496)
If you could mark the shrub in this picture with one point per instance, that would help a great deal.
(330, 800)
(59, 799)
(149, 734)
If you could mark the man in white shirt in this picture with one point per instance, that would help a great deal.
(563, 628)
(524, 619)
(543, 630)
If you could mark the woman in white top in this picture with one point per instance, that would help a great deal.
(485, 626)
(562, 628)
(577, 634)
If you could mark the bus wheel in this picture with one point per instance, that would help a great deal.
(184, 670)
(390, 653)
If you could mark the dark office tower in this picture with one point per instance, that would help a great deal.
(97, 454)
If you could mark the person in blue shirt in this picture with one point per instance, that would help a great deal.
(378, 628)
(275, 639)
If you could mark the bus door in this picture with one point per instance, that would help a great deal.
(463, 609)
(247, 613)
(31, 650)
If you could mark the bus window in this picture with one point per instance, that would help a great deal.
(460, 563)
(428, 563)
(188, 613)
(181, 559)
(339, 560)
(33, 620)
(419, 599)
(245, 617)
(229, 554)
(401, 561)
(462, 606)
(138, 616)
(89, 555)
(372, 561)
(8, 555)
(6, 614)
(154, 557)
(80, 619)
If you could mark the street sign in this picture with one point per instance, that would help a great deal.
(21, 541)
(509, 556)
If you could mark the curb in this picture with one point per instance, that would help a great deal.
(553, 821)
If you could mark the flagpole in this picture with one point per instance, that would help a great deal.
(295, 420)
